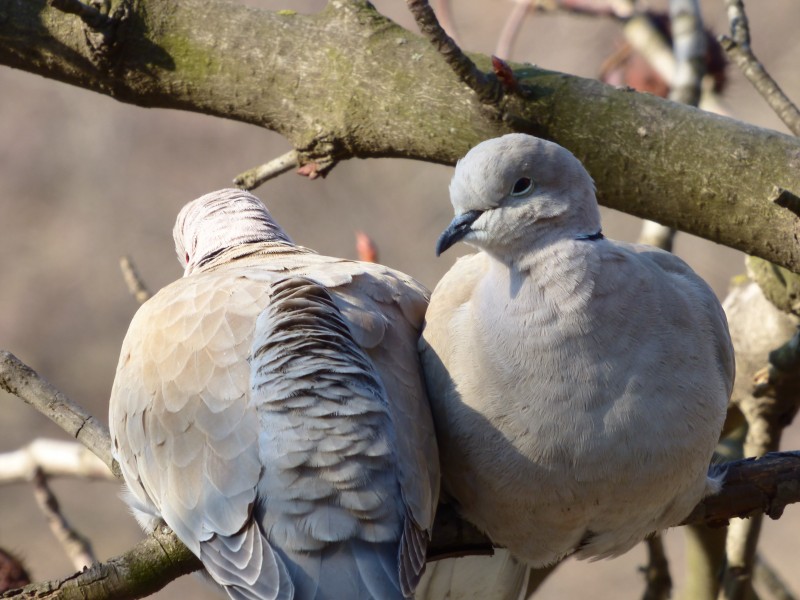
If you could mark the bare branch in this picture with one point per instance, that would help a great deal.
(612, 8)
(133, 280)
(656, 573)
(740, 27)
(140, 572)
(487, 88)
(252, 178)
(770, 408)
(689, 48)
(77, 546)
(19, 379)
(752, 486)
(766, 576)
(737, 47)
(443, 10)
(511, 28)
(660, 159)
(53, 458)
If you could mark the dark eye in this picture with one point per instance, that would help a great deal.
(186, 258)
(523, 186)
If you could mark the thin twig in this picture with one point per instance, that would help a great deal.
(689, 49)
(737, 47)
(252, 178)
(740, 26)
(619, 9)
(766, 577)
(488, 89)
(53, 458)
(19, 379)
(77, 547)
(511, 28)
(768, 409)
(656, 573)
(133, 280)
(443, 10)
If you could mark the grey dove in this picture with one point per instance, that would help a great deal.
(578, 384)
(270, 408)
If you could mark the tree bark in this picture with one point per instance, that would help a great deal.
(348, 82)
(752, 486)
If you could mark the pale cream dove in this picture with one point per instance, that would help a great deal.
(578, 384)
(269, 407)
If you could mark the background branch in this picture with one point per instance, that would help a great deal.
(19, 379)
(133, 280)
(53, 458)
(738, 50)
(77, 546)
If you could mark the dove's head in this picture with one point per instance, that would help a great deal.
(221, 220)
(517, 191)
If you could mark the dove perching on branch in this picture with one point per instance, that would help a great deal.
(269, 407)
(578, 384)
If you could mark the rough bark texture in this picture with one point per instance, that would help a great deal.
(751, 486)
(347, 82)
(141, 571)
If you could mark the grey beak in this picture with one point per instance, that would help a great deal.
(458, 228)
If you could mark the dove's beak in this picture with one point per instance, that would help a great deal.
(458, 228)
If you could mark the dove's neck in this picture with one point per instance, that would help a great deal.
(558, 274)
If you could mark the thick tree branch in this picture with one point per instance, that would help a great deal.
(752, 486)
(349, 83)
(141, 571)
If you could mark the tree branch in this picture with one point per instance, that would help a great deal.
(76, 545)
(252, 178)
(19, 379)
(54, 458)
(143, 570)
(751, 487)
(737, 47)
(133, 280)
(488, 89)
(348, 82)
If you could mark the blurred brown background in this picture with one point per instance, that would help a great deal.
(85, 180)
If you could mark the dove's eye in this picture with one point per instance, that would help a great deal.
(186, 258)
(522, 187)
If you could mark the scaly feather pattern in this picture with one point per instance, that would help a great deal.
(269, 407)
